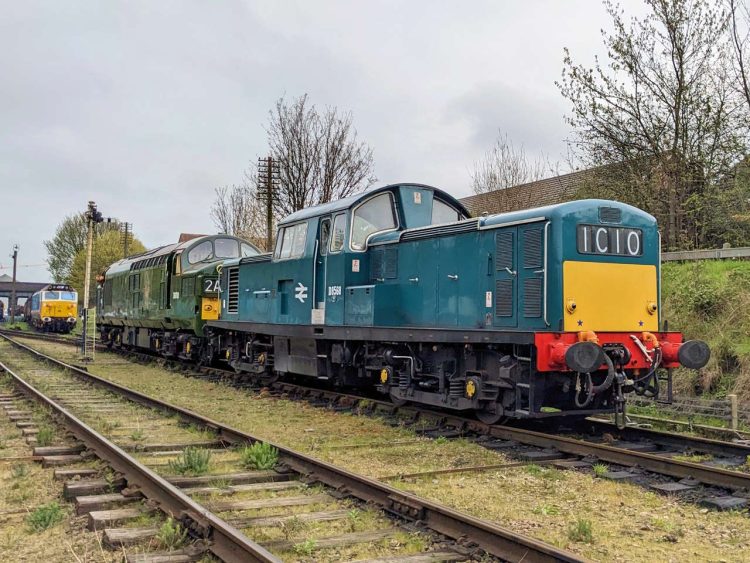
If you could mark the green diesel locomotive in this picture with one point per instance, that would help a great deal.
(161, 299)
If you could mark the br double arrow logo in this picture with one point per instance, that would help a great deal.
(300, 292)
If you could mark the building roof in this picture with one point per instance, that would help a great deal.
(532, 194)
(184, 237)
(5, 278)
(22, 288)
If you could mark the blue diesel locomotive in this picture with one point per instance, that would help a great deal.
(537, 313)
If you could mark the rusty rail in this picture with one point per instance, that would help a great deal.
(494, 539)
(225, 541)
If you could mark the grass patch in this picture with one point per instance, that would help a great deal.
(581, 531)
(45, 436)
(694, 458)
(260, 455)
(600, 469)
(171, 534)
(137, 435)
(19, 470)
(193, 461)
(534, 469)
(305, 548)
(546, 510)
(45, 517)
(293, 527)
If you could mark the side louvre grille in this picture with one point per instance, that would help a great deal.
(391, 263)
(441, 230)
(504, 250)
(384, 263)
(532, 297)
(610, 215)
(233, 290)
(532, 248)
(257, 258)
(504, 298)
(376, 263)
(107, 292)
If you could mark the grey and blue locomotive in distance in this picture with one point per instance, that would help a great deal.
(537, 313)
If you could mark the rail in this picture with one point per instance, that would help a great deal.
(227, 543)
(490, 537)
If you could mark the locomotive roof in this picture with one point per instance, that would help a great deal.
(558, 210)
(125, 263)
(351, 201)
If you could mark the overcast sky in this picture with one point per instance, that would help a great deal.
(145, 107)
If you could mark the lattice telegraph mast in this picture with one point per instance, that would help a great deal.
(268, 186)
(126, 235)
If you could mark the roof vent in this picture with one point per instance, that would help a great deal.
(610, 215)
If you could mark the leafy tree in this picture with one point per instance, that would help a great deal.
(665, 112)
(69, 239)
(107, 250)
(740, 41)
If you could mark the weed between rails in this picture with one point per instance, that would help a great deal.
(260, 456)
(45, 436)
(193, 461)
(171, 534)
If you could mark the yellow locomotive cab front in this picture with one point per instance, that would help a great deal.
(610, 297)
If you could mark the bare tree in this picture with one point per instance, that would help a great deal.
(505, 166)
(664, 106)
(740, 17)
(238, 211)
(319, 155)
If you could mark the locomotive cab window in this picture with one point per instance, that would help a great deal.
(613, 241)
(248, 250)
(444, 213)
(376, 215)
(201, 252)
(338, 233)
(325, 236)
(291, 241)
(226, 248)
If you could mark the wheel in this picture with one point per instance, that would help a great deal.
(492, 414)
(395, 399)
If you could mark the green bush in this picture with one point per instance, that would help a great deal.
(260, 456)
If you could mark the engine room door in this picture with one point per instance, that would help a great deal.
(321, 245)
(506, 277)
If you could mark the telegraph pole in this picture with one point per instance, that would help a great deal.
(268, 185)
(12, 304)
(127, 233)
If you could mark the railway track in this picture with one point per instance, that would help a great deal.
(713, 472)
(83, 401)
